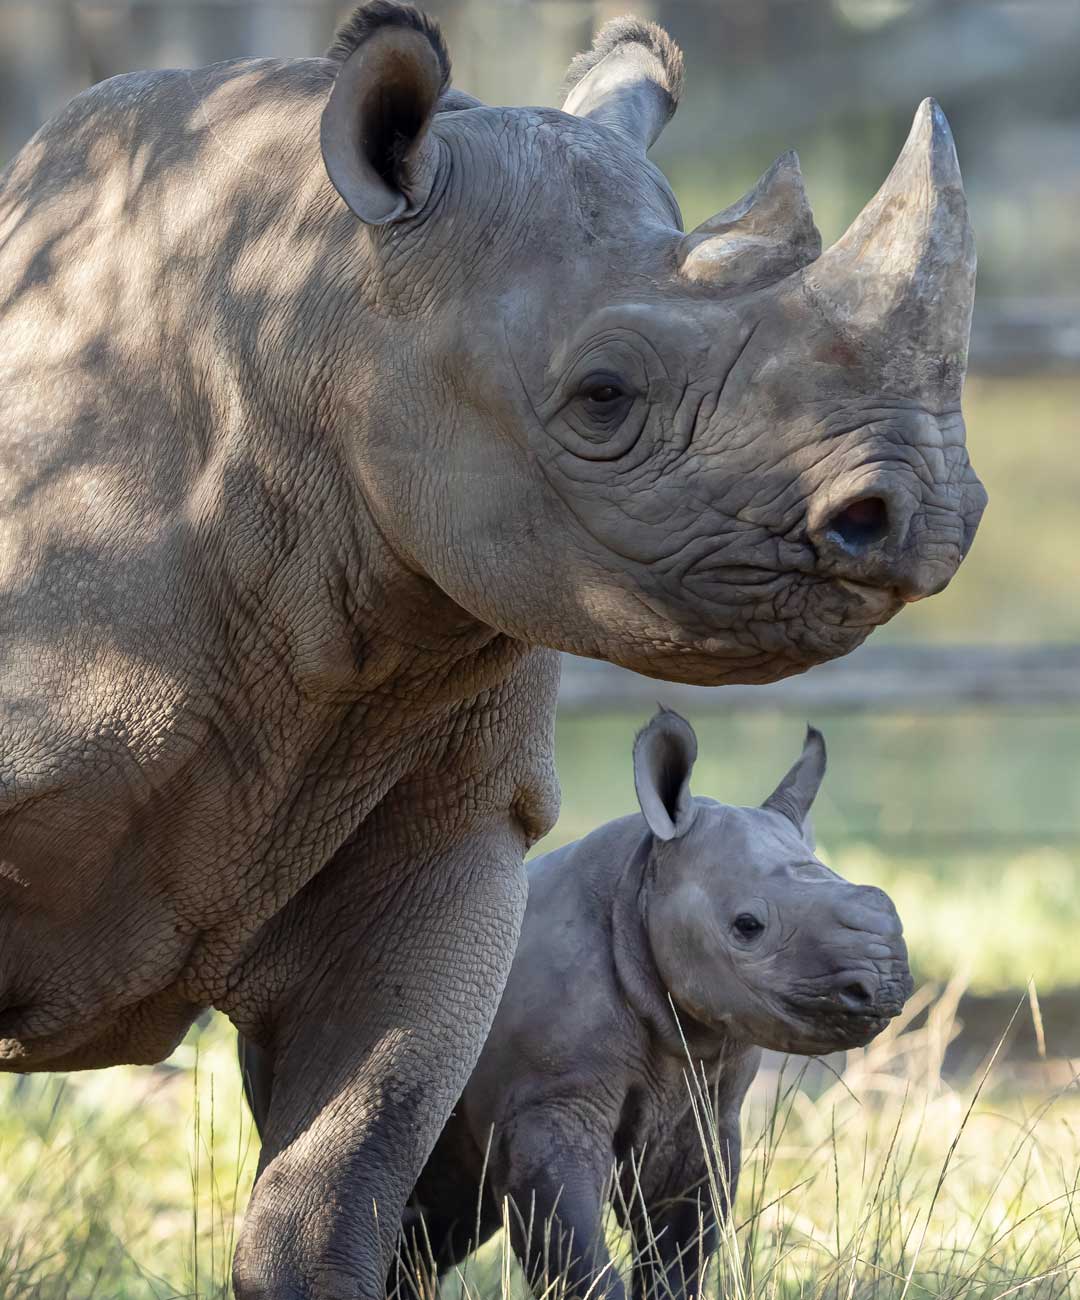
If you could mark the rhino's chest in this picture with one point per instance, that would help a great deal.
(655, 1100)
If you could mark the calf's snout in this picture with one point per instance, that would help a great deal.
(875, 979)
(879, 995)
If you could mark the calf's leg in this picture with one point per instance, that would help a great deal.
(553, 1167)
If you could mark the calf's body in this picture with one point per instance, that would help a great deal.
(581, 1094)
(666, 946)
(671, 944)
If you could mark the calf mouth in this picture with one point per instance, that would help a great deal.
(832, 1027)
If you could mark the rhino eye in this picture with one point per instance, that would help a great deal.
(602, 394)
(604, 417)
(748, 926)
(605, 399)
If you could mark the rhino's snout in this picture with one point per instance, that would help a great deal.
(872, 981)
(877, 531)
(874, 995)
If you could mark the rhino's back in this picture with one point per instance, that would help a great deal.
(127, 227)
(131, 228)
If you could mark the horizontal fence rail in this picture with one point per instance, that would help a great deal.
(878, 678)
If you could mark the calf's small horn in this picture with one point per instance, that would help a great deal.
(903, 275)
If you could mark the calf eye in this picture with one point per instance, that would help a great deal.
(748, 926)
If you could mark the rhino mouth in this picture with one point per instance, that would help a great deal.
(834, 1026)
(836, 1032)
(837, 600)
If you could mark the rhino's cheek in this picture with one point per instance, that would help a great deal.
(706, 596)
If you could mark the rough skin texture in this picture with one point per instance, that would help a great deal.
(295, 509)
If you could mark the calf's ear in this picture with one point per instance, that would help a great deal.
(376, 145)
(664, 754)
(797, 791)
(630, 80)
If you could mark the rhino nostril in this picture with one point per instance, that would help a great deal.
(856, 996)
(861, 524)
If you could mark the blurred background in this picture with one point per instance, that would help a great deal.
(954, 735)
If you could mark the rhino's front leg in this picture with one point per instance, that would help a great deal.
(676, 1234)
(399, 969)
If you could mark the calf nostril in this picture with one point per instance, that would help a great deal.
(861, 523)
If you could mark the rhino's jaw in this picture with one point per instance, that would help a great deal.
(846, 1009)
(747, 632)
(809, 1026)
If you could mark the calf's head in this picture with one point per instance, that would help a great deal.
(750, 932)
(715, 456)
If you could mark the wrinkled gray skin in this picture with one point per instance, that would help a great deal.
(306, 468)
(758, 944)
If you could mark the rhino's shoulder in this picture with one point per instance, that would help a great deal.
(129, 131)
(594, 862)
(563, 998)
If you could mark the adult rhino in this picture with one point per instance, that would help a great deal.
(312, 459)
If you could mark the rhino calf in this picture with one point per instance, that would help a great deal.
(726, 912)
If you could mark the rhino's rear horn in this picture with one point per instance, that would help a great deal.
(374, 133)
(630, 80)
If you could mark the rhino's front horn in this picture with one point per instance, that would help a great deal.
(903, 275)
(768, 234)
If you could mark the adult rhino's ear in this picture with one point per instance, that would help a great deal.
(797, 791)
(664, 754)
(375, 140)
(630, 80)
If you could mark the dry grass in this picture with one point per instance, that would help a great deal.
(884, 1179)
(890, 1182)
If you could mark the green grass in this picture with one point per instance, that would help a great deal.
(126, 1182)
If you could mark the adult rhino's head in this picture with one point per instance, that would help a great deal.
(715, 456)
(750, 932)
